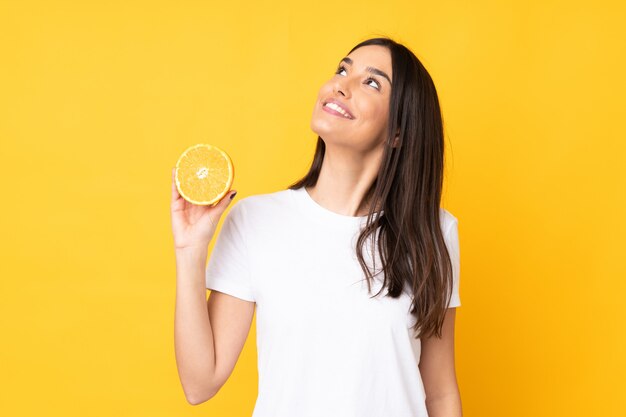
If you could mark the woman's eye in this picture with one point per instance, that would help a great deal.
(341, 68)
(369, 80)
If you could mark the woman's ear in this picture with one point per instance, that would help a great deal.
(396, 140)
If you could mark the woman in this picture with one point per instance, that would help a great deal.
(336, 335)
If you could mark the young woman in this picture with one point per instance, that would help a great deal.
(353, 271)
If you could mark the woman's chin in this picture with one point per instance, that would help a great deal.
(325, 129)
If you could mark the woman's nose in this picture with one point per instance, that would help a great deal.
(341, 86)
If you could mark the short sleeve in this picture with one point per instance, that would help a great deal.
(228, 268)
(452, 243)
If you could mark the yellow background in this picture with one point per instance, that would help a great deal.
(98, 100)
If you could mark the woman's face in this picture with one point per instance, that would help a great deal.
(364, 96)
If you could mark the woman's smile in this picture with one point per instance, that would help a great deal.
(335, 110)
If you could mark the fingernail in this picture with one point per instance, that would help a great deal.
(233, 195)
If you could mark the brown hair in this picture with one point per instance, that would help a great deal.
(408, 188)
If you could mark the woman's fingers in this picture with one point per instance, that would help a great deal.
(175, 193)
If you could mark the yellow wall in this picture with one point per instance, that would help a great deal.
(97, 101)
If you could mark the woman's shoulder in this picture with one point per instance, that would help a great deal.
(262, 203)
(447, 219)
(264, 199)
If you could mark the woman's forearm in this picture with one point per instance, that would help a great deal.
(193, 336)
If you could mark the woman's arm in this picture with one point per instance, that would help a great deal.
(438, 372)
(209, 335)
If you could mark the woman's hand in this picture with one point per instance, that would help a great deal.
(194, 225)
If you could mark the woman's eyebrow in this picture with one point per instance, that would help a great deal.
(369, 69)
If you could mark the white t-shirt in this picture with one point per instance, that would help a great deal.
(324, 347)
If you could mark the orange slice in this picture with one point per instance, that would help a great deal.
(204, 174)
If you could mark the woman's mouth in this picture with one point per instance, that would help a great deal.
(335, 109)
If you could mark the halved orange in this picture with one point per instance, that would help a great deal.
(204, 174)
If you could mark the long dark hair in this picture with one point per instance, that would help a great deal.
(408, 189)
